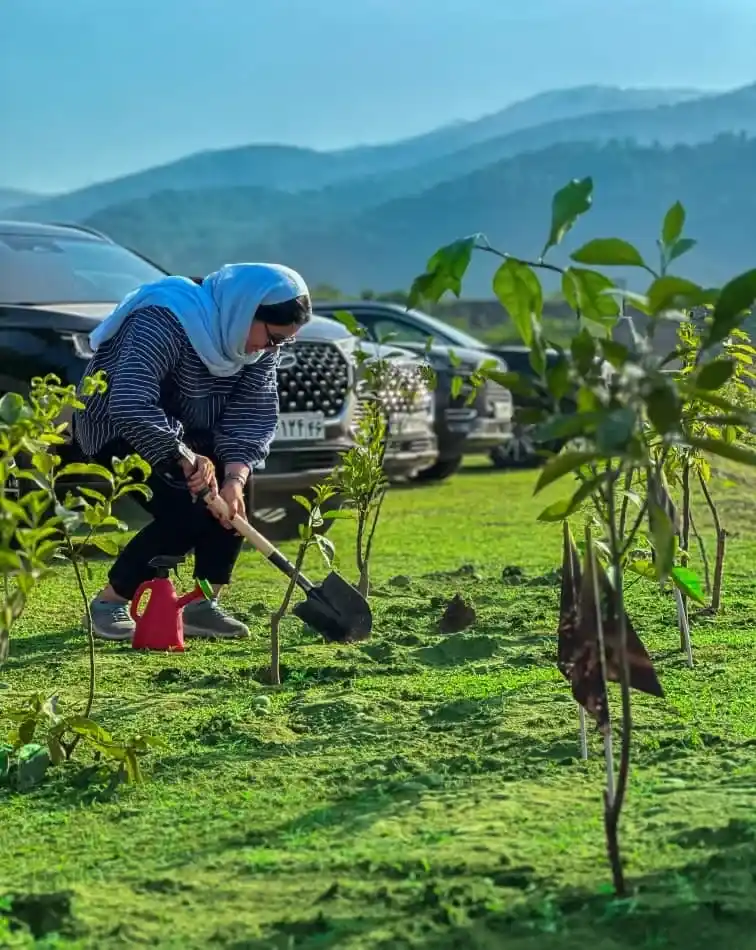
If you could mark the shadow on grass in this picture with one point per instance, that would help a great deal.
(38, 649)
(706, 903)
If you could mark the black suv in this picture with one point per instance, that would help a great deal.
(57, 282)
(485, 426)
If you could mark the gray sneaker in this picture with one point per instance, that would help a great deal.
(111, 621)
(206, 618)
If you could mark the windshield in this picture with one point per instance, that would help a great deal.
(41, 269)
(446, 333)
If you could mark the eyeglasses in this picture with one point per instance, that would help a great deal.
(276, 342)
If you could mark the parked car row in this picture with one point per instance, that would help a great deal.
(57, 282)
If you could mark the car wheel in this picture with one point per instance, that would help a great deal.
(280, 520)
(517, 452)
(440, 470)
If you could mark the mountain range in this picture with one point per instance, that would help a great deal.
(371, 216)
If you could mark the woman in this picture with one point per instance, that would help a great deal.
(192, 364)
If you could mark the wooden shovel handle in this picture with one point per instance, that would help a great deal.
(240, 525)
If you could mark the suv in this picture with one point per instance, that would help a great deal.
(57, 282)
(485, 426)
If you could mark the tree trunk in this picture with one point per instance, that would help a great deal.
(716, 591)
(363, 585)
(275, 649)
(684, 549)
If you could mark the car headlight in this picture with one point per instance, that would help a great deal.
(80, 343)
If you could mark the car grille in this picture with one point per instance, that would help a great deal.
(284, 463)
(401, 389)
(317, 382)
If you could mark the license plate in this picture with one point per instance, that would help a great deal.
(401, 424)
(301, 427)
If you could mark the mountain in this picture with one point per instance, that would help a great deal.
(545, 107)
(689, 122)
(384, 247)
(287, 168)
(11, 198)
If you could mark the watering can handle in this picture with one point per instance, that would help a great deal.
(134, 606)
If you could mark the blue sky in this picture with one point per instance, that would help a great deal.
(92, 89)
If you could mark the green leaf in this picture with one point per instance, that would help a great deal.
(519, 292)
(338, 514)
(735, 298)
(679, 248)
(11, 408)
(444, 272)
(456, 386)
(347, 319)
(515, 382)
(687, 581)
(583, 348)
(568, 426)
(565, 507)
(643, 569)
(674, 222)
(304, 502)
(106, 544)
(664, 539)
(670, 292)
(736, 453)
(33, 762)
(562, 465)
(325, 545)
(714, 375)
(88, 729)
(586, 293)
(616, 430)
(615, 353)
(558, 378)
(566, 207)
(609, 252)
(86, 468)
(55, 750)
(664, 408)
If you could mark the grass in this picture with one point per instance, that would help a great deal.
(416, 791)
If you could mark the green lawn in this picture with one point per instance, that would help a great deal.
(415, 791)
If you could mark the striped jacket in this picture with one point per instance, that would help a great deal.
(160, 392)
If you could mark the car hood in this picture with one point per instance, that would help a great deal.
(461, 358)
(85, 317)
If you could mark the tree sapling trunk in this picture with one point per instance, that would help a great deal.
(716, 590)
(277, 616)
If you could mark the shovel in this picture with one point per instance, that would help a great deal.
(334, 608)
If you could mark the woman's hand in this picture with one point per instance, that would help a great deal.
(232, 493)
(202, 475)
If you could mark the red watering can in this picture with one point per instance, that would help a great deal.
(160, 626)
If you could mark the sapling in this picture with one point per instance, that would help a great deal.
(37, 530)
(309, 537)
(726, 415)
(360, 478)
(619, 415)
(361, 482)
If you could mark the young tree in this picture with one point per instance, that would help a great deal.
(360, 477)
(309, 537)
(630, 413)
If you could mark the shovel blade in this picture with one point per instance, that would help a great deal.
(337, 610)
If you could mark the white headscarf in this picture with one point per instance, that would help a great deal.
(216, 315)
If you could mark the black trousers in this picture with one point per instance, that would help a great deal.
(180, 525)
